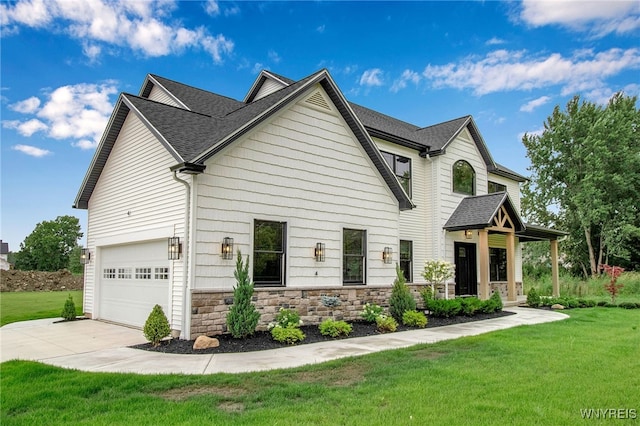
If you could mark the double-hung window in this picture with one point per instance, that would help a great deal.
(354, 243)
(269, 253)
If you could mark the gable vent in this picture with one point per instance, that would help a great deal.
(318, 101)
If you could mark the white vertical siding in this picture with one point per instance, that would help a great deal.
(161, 96)
(136, 198)
(304, 167)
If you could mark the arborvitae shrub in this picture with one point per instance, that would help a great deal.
(497, 301)
(401, 299)
(156, 327)
(243, 317)
(533, 298)
(69, 310)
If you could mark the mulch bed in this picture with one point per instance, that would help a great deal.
(262, 340)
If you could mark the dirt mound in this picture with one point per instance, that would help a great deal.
(15, 280)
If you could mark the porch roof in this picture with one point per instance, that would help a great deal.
(539, 233)
(479, 211)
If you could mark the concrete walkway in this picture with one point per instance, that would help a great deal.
(101, 347)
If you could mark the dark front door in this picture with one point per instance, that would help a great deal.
(466, 278)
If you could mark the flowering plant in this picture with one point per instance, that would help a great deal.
(288, 318)
(612, 287)
(371, 312)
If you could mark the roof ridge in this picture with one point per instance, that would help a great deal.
(194, 88)
(445, 122)
(166, 105)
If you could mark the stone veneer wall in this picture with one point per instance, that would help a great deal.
(502, 286)
(209, 308)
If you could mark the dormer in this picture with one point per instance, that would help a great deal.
(266, 83)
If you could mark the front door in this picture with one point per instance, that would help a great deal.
(466, 277)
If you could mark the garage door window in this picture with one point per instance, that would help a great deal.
(124, 273)
(161, 274)
(143, 273)
(109, 273)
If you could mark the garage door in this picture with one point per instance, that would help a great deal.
(133, 278)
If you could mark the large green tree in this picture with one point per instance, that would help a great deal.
(48, 247)
(585, 179)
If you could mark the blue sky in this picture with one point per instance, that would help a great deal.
(508, 64)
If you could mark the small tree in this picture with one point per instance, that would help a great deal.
(612, 287)
(401, 299)
(438, 272)
(69, 310)
(243, 317)
(156, 327)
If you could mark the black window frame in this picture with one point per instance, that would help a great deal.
(348, 258)
(406, 259)
(392, 161)
(493, 187)
(497, 264)
(457, 188)
(260, 253)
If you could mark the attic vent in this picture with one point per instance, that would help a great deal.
(318, 101)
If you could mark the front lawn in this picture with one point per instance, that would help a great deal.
(24, 306)
(542, 374)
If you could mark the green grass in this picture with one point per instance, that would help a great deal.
(542, 374)
(24, 306)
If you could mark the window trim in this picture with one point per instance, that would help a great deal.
(473, 178)
(503, 187)
(283, 256)
(495, 268)
(363, 256)
(393, 169)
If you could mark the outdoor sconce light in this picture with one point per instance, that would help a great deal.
(386, 255)
(319, 252)
(468, 234)
(85, 256)
(227, 248)
(174, 248)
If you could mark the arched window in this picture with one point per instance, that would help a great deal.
(464, 178)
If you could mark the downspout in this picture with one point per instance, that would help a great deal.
(186, 310)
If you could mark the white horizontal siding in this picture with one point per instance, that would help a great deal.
(136, 197)
(304, 168)
(159, 95)
(268, 87)
(513, 189)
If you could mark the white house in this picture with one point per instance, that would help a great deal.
(323, 196)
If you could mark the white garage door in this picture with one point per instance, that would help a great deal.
(133, 278)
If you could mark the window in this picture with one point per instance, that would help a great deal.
(269, 253)
(497, 264)
(109, 273)
(161, 274)
(401, 167)
(143, 273)
(496, 187)
(354, 242)
(464, 178)
(406, 259)
(124, 273)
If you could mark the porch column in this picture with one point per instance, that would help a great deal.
(511, 267)
(483, 255)
(554, 268)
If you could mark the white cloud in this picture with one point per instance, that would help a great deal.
(504, 70)
(142, 26)
(596, 17)
(372, 77)
(212, 8)
(407, 76)
(27, 106)
(535, 103)
(273, 55)
(320, 28)
(31, 150)
(257, 67)
(78, 112)
(494, 41)
(232, 11)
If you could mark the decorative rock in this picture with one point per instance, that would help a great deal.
(557, 307)
(204, 342)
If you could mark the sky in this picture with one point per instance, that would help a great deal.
(508, 64)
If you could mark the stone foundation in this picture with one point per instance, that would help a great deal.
(209, 308)
(502, 287)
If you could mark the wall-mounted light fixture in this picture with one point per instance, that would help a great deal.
(468, 234)
(227, 248)
(85, 256)
(319, 252)
(174, 248)
(387, 255)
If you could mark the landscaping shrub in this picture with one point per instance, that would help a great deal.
(290, 335)
(69, 310)
(414, 319)
(371, 312)
(288, 318)
(330, 327)
(156, 327)
(612, 287)
(401, 299)
(386, 324)
(427, 295)
(629, 305)
(445, 308)
(243, 317)
(533, 298)
(497, 301)
(469, 306)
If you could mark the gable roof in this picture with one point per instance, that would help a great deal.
(478, 212)
(193, 137)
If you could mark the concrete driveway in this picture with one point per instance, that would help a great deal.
(96, 346)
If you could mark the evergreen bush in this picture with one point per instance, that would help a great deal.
(401, 299)
(69, 310)
(533, 298)
(243, 317)
(156, 327)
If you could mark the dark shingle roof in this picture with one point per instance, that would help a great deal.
(478, 212)
(440, 134)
